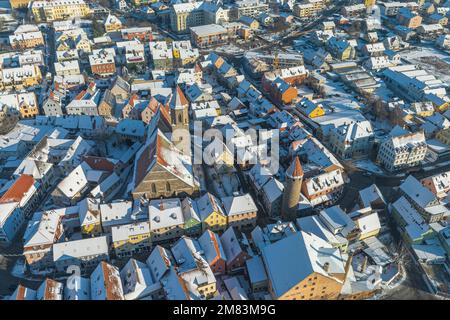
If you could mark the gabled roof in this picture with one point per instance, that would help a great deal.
(369, 223)
(208, 204)
(232, 245)
(159, 262)
(239, 204)
(122, 84)
(75, 181)
(81, 291)
(314, 225)
(137, 281)
(190, 209)
(17, 191)
(256, 270)
(23, 293)
(294, 258)
(42, 229)
(422, 196)
(79, 249)
(337, 220)
(106, 283)
(50, 290)
(165, 213)
(158, 109)
(111, 19)
(178, 99)
(100, 163)
(186, 252)
(211, 246)
(89, 211)
(370, 194)
(160, 150)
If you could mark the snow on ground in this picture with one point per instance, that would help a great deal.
(382, 125)
(229, 49)
(339, 93)
(433, 60)
(384, 93)
(368, 165)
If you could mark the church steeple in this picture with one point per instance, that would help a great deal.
(178, 99)
(179, 112)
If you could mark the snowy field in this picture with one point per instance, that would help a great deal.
(433, 60)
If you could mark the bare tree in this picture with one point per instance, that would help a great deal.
(2, 24)
(97, 28)
(321, 90)
(105, 3)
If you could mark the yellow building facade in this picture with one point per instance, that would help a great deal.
(215, 222)
(27, 40)
(28, 111)
(59, 10)
(185, 16)
(92, 229)
(20, 78)
(444, 136)
(16, 4)
(131, 238)
(315, 287)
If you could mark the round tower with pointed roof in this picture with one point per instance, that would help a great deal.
(292, 189)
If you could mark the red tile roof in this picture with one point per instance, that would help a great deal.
(212, 235)
(178, 99)
(133, 99)
(153, 104)
(144, 161)
(112, 282)
(20, 292)
(151, 151)
(18, 189)
(165, 113)
(183, 99)
(51, 287)
(295, 169)
(99, 163)
(80, 95)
